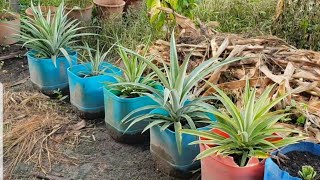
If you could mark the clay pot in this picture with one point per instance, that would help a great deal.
(44, 9)
(110, 8)
(9, 28)
(83, 14)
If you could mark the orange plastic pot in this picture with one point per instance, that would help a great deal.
(216, 167)
(9, 28)
(83, 14)
(44, 9)
(110, 8)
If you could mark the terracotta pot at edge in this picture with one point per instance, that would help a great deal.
(9, 28)
(83, 14)
(110, 8)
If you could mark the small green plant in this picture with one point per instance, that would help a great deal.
(176, 99)
(307, 173)
(133, 72)
(50, 37)
(249, 130)
(159, 18)
(95, 58)
(78, 4)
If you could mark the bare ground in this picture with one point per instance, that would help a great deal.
(96, 156)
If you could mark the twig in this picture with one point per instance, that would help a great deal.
(46, 176)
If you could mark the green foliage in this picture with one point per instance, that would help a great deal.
(238, 16)
(4, 8)
(78, 4)
(307, 173)
(50, 37)
(3, 5)
(24, 4)
(95, 58)
(133, 72)
(299, 23)
(41, 2)
(159, 18)
(178, 86)
(250, 128)
(134, 29)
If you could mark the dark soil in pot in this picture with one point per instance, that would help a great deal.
(86, 75)
(297, 159)
(185, 125)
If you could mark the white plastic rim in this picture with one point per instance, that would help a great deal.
(1, 129)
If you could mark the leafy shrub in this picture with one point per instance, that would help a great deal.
(158, 18)
(299, 23)
(133, 30)
(238, 16)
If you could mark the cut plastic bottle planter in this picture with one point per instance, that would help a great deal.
(163, 147)
(116, 108)
(48, 77)
(86, 93)
(272, 170)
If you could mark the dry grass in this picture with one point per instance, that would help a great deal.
(35, 128)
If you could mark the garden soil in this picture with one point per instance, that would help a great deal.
(299, 159)
(95, 155)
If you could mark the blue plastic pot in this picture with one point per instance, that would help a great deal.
(164, 148)
(116, 108)
(272, 171)
(45, 75)
(86, 93)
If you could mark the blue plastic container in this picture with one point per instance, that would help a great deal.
(116, 108)
(45, 75)
(86, 93)
(272, 170)
(164, 148)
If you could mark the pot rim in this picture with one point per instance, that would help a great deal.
(12, 14)
(110, 5)
(81, 9)
(31, 54)
(53, 10)
(70, 69)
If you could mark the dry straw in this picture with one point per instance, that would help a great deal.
(35, 129)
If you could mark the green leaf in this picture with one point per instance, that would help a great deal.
(177, 128)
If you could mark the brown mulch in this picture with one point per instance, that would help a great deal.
(269, 60)
(35, 128)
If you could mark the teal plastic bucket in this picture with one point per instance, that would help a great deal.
(164, 148)
(116, 108)
(86, 93)
(45, 75)
(272, 171)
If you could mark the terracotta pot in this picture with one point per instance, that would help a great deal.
(217, 167)
(110, 8)
(44, 9)
(83, 14)
(9, 28)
